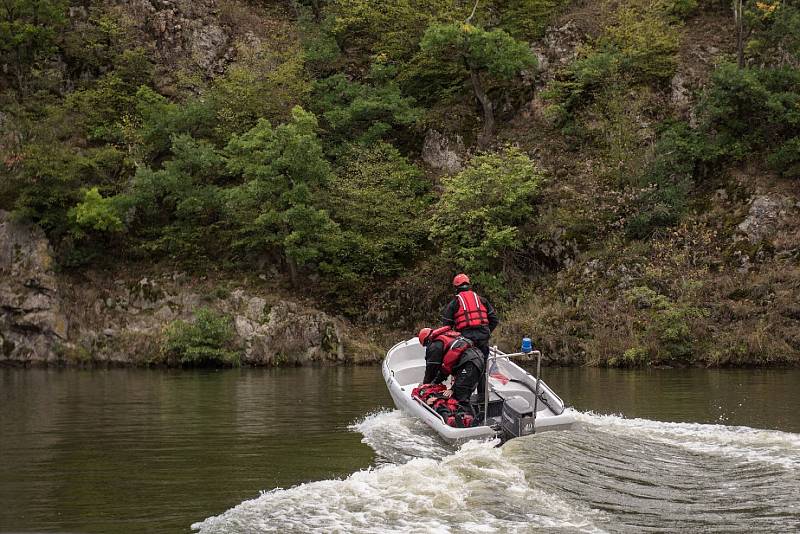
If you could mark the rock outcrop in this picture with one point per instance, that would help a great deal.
(443, 153)
(92, 317)
(765, 215)
(32, 324)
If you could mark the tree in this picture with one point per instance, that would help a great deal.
(486, 56)
(28, 31)
(275, 210)
(379, 199)
(478, 217)
(363, 112)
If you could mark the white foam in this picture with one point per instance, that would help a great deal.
(743, 443)
(476, 489)
(397, 438)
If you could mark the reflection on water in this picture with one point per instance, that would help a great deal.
(120, 450)
(136, 450)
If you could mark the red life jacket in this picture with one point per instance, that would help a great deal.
(453, 354)
(471, 311)
(445, 334)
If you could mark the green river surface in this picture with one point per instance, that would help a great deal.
(324, 450)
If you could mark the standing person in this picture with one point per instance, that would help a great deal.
(470, 314)
(474, 317)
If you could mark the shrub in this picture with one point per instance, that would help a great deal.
(527, 19)
(379, 199)
(666, 182)
(362, 112)
(96, 213)
(207, 341)
(646, 42)
(477, 220)
(750, 110)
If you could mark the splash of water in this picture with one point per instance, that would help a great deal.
(609, 474)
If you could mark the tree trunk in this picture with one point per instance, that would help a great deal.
(486, 134)
(293, 276)
(739, 19)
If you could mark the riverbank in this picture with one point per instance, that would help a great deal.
(95, 317)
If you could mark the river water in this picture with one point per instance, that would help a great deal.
(299, 450)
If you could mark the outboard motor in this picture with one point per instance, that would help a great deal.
(517, 418)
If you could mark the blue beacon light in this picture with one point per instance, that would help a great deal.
(527, 346)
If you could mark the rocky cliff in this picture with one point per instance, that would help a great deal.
(96, 317)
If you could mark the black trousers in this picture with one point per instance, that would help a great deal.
(466, 377)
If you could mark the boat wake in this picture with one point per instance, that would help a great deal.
(610, 474)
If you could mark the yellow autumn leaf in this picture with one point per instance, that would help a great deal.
(767, 8)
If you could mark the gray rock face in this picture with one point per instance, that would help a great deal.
(32, 324)
(123, 321)
(442, 153)
(680, 94)
(558, 47)
(766, 213)
(185, 33)
(291, 335)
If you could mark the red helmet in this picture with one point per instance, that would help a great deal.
(460, 280)
(423, 335)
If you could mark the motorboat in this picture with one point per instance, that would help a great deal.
(517, 403)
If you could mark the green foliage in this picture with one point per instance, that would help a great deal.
(667, 181)
(388, 28)
(254, 88)
(494, 52)
(786, 159)
(747, 111)
(275, 207)
(149, 130)
(526, 19)
(362, 112)
(28, 33)
(206, 342)
(647, 45)
(379, 199)
(102, 106)
(48, 180)
(639, 48)
(177, 207)
(665, 328)
(679, 8)
(773, 27)
(97, 213)
(478, 218)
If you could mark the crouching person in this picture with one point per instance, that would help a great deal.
(437, 343)
(465, 363)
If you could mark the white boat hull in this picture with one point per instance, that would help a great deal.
(404, 367)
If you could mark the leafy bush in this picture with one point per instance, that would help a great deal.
(639, 48)
(262, 84)
(750, 110)
(276, 207)
(526, 19)
(667, 181)
(647, 45)
(388, 28)
(665, 329)
(97, 213)
(477, 220)
(379, 199)
(206, 341)
(28, 34)
(773, 28)
(362, 112)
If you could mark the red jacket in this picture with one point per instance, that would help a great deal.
(471, 312)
